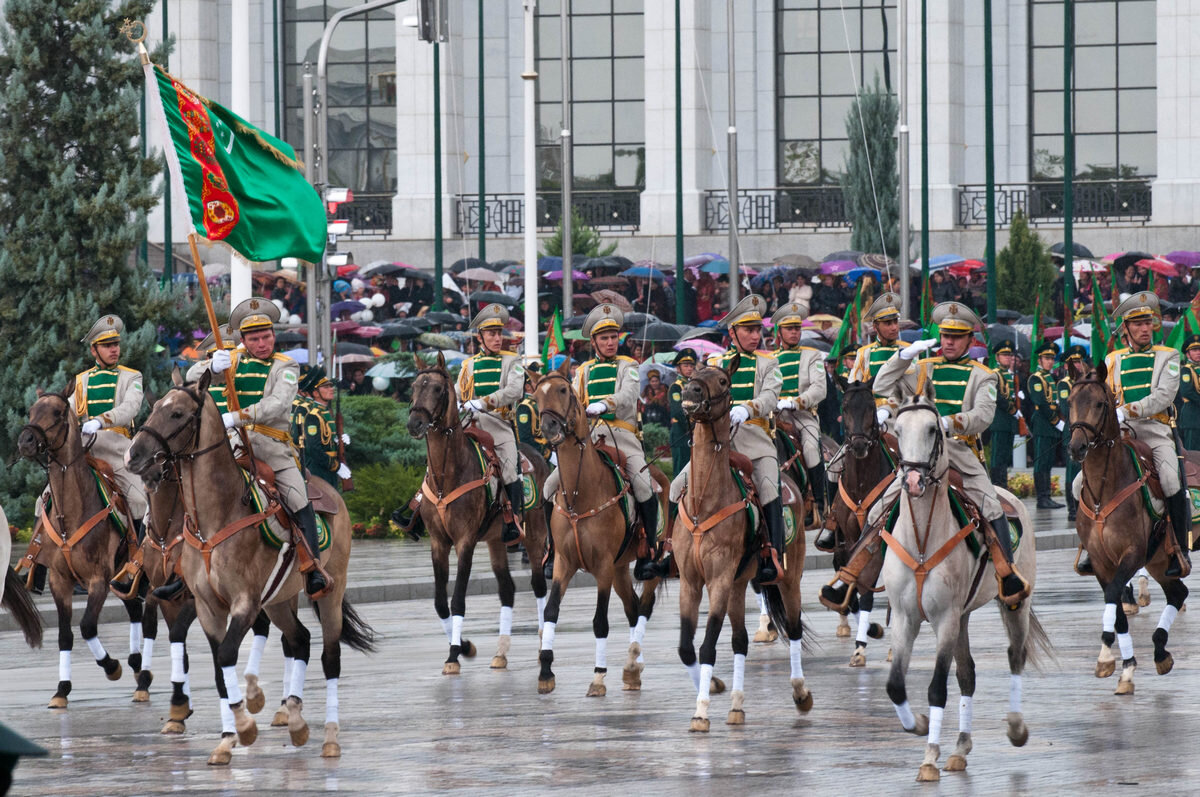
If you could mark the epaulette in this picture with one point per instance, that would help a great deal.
(986, 369)
(128, 370)
(281, 358)
(506, 353)
(622, 358)
(1117, 352)
(1158, 348)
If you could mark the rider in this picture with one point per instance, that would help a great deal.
(965, 395)
(1074, 354)
(106, 400)
(1189, 394)
(608, 387)
(1008, 412)
(315, 429)
(754, 393)
(1044, 422)
(803, 371)
(489, 385)
(1144, 378)
(681, 430)
(529, 425)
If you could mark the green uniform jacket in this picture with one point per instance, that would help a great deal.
(681, 431)
(1063, 389)
(1045, 405)
(320, 444)
(1189, 405)
(1004, 424)
(529, 427)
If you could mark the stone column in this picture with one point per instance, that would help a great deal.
(412, 207)
(1177, 188)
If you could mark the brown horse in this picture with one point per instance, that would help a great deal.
(233, 573)
(1115, 527)
(15, 598)
(713, 550)
(457, 513)
(590, 534)
(87, 540)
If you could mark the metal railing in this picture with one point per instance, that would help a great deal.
(504, 214)
(1096, 202)
(777, 209)
(369, 214)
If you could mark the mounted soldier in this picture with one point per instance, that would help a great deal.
(965, 395)
(802, 369)
(1072, 358)
(529, 426)
(681, 428)
(313, 431)
(1044, 423)
(1007, 420)
(755, 395)
(1189, 394)
(490, 384)
(884, 315)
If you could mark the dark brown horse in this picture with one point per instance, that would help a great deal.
(15, 598)
(1115, 527)
(590, 534)
(714, 551)
(86, 539)
(457, 512)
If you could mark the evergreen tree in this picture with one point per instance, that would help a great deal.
(584, 239)
(74, 193)
(1024, 270)
(872, 204)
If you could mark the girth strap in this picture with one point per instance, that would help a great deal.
(1099, 516)
(442, 504)
(65, 544)
(699, 530)
(206, 546)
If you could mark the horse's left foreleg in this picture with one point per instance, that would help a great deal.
(223, 752)
(964, 670)
(1116, 624)
(631, 673)
(866, 629)
(718, 604)
(181, 700)
(741, 645)
(458, 610)
(134, 609)
(904, 633)
(145, 657)
(947, 630)
(255, 699)
(89, 628)
(331, 666)
(498, 553)
(1017, 624)
(300, 642)
(240, 621)
(604, 580)
(1176, 592)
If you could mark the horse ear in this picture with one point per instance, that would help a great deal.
(441, 361)
(40, 392)
(564, 368)
(533, 377)
(1102, 371)
(841, 381)
(176, 377)
(732, 366)
(205, 381)
(70, 389)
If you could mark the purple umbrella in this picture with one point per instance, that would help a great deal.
(695, 261)
(1188, 259)
(838, 266)
(347, 306)
(577, 276)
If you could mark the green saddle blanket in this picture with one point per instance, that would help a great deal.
(105, 499)
(974, 541)
(270, 531)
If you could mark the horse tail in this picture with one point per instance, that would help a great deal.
(18, 601)
(777, 610)
(1037, 644)
(357, 634)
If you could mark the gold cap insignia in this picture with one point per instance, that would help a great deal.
(953, 309)
(607, 310)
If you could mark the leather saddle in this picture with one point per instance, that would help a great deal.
(1145, 457)
(324, 499)
(956, 485)
(105, 473)
(487, 444)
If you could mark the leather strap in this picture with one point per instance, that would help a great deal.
(574, 517)
(699, 530)
(205, 547)
(1100, 516)
(922, 568)
(66, 544)
(861, 508)
(441, 504)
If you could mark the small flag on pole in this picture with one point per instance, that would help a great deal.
(554, 344)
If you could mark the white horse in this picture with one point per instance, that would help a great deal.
(928, 536)
(12, 588)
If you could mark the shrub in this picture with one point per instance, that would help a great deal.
(378, 431)
(381, 489)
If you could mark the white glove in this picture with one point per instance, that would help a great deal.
(474, 405)
(343, 472)
(786, 404)
(1021, 394)
(91, 426)
(882, 414)
(597, 408)
(345, 441)
(221, 361)
(946, 422)
(1059, 426)
(738, 415)
(911, 352)
(1121, 416)
(230, 419)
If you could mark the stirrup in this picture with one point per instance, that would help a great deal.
(829, 603)
(323, 591)
(1083, 563)
(1013, 601)
(133, 571)
(170, 590)
(1180, 560)
(774, 560)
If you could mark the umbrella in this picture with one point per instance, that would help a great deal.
(344, 347)
(696, 261)
(343, 271)
(399, 331)
(443, 318)
(838, 266)
(666, 373)
(1077, 248)
(350, 359)
(824, 318)
(1159, 266)
(577, 276)
(348, 306)
(451, 355)
(500, 265)
(574, 322)
(610, 282)
(636, 320)
(783, 272)
(965, 268)
(436, 340)
(480, 275)
(881, 262)
(1189, 259)
(513, 270)
(644, 272)
(1054, 333)
(392, 370)
(611, 297)
(573, 334)
(366, 332)
(418, 322)
(944, 261)
(1007, 315)
(715, 334)
(1123, 260)
(290, 337)
(299, 354)
(658, 332)
(853, 274)
(803, 261)
(1028, 319)
(845, 254)
(465, 263)
(490, 297)
(458, 336)
(380, 268)
(718, 266)
(610, 262)
(818, 342)
(700, 346)
(1088, 267)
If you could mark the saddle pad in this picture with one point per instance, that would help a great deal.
(490, 487)
(753, 511)
(323, 497)
(974, 541)
(1150, 499)
(105, 500)
(626, 503)
(272, 532)
(526, 466)
(531, 495)
(1194, 495)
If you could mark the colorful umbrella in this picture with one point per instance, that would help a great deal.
(613, 298)
(480, 275)
(1189, 259)
(1159, 266)
(577, 276)
(644, 272)
(845, 254)
(838, 266)
(719, 266)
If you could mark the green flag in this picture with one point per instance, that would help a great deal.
(846, 335)
(1035, 335)
(1188, 325)
(554, 344)
(242, 186)
(1101, 326)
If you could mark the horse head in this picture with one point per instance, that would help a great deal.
(173, 428)
(1093, 411)
(706, 396)
(859, 421)
(559, 407)
(921, 439)
(434, 401)
(52, 426)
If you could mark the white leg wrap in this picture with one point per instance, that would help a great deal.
(864, 625)
(147, 652)
(541, 604)
(232, 689)
(187, 686)
(505, 621)
(935, 724)
(1014, 693)
(177, 674)
(638, 635)
(762, 604)
(288, 661)
(98, 651)
(548, 635)
(1125, 643)
(694, 673)
(456, 629)
(705, 681)
(227, 723)
(331, 700)
(1167, 617)
(966, 710)
(64, 665)
(254, 660)
(446, 626)
(739, 672)
(907, 720)
(602, 652)
(797, 663)
(135, 637)
(299, 670)
(1110, 617)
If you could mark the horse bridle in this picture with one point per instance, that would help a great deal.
(706, 404)
(572, 405)
(925, 469)
(42, 438)
(1095, 435)
(871, 437)
(435, 418)
(167, 454)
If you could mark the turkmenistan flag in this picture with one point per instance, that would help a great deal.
(554, 344)
(244, 187)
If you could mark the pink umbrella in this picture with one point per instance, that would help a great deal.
(1160, 266)
(577, 276)
(700, 345)
(838, 266)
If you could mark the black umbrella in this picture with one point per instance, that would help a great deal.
(1079, 249)
(819, 343)
(497, 265)
(382, 270)
(845, 254)
(444, 318)
(1002, 332)
(465, 263)
(574, 322)
(344, 347)
(638, 320)
(1008, 315)
(399, 331)
(291, 337)
(1046, 320)
(658, 332)
(493, 297)
(1129, 259)
(418, 322)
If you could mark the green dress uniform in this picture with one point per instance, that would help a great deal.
(320, 444)
(1044, 425)
(529, 427)
(1063, 389)
(1005, 424)
(1188, 404)
(681, 427)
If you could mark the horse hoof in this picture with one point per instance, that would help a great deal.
(173, 728)
(298, 734)
(545, 685)
(280, 719)
(115, 675)
(801, 696)
(141, 696)
(843, 630)
(179, 713)
(956, 763)
(451, 668)
(597, 690)
(699, 725)
(889, 656)
(1018, 731)
(928, 773)
(255, 699)
(631, 678)
(468, 649)
(859, 659)
(248, 731)
(1124, 688)
(921, 728)
(1165, 666)
(1143, 591)
(499, 662)
(1105, 668)
(223, 752)
(1130, 609)
(331, 750)
(765, 636)
(57, 702)
(716, 687)
(736, 717)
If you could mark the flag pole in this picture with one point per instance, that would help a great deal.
(230, 393)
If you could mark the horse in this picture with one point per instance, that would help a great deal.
(457, 512)
(713, 550)
(13, 595)
(87, 540)
(867, 470)
(926, 531)
(590, 533)
(233, 575)
(1115, 527)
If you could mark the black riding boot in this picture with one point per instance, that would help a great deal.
(126, 586)
(1041, 482)
(820, 487)
(1072, 503)
(39, 579)
(307, 518)
(548, 565)
(516, 499)
(646, 569)
(999, 477)
(408, 518)
(773, 514)
(1012, 583)
(1179, 510)
(168, 591)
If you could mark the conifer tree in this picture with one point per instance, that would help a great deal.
(584, 239)
(871, 184)
(1024, 270)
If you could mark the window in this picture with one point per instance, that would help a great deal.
(1114, 108)
(361, 82)
(607, 94)
(821, 48)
